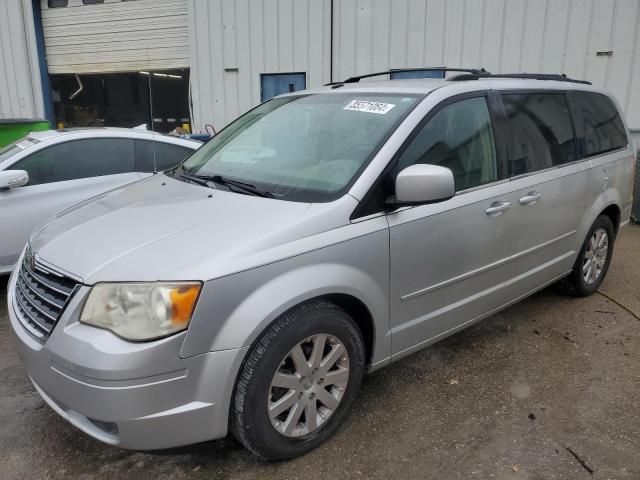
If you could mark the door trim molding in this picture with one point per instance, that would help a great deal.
(440, 336)
(523, 253)
(459, 278)
(477, 271)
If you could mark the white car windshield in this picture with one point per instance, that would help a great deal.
(303, 148)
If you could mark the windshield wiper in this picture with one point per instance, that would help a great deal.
(188, 176)
(237, 185)
(195, 179)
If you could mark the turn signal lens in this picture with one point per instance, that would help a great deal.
(183, 300)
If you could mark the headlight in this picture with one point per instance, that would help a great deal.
(141, 311)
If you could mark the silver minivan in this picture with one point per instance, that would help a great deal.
(322, 235)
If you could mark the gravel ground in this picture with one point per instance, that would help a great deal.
(548, 389)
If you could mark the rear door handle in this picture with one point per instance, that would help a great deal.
(530, 198)
(497, 208)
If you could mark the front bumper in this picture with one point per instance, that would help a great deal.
(134, 395)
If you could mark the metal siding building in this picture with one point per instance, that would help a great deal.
(596, 40)
(229, 45)
(234, 42)
(116, 36)
(21, 88)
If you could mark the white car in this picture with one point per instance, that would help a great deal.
(51, 170)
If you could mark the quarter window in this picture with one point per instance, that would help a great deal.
(600, 128)
(459, 137)
(79, 159)
(541, 131)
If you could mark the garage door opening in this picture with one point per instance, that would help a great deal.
(123, 100)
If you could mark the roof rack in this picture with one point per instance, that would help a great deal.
(528, 76)
(356, 79)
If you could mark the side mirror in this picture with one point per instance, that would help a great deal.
(421, 183)
(13, 179)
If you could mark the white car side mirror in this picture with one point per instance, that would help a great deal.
(13, 179)
(421, 183)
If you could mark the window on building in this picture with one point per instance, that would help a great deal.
(273, 84)
(57, 3)
(167, 155)
(79, 159)
(599, 127)
(91, 2)
(541, 132)
(459, 137)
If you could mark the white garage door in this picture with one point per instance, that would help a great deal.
(89, 36)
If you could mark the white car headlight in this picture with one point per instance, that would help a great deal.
(141, 311)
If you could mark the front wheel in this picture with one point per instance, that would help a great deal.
(593, 260)
(298, 382)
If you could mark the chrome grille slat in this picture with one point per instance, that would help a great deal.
(43, 281)
(23, 282)
(35, 332)
(34, 305)
(25, 311)
(60, 297)
(40, 296)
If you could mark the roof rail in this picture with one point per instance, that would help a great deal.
(356, 79)
(528, 76)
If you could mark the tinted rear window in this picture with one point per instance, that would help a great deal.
(541, 132)
(599, 126)
(91, 157)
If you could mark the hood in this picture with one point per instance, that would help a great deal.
(165, 229)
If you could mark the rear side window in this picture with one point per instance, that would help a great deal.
(599, 127)
(541, 132)
(76, 159)
(167, 155)
(459, 137)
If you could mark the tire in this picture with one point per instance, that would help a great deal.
(576, 284)
(255, 416)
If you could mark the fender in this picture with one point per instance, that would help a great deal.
(610, 196)
(247, 302)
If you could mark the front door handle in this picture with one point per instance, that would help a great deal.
(530, 198)
(497, 208)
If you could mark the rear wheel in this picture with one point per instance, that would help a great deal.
(298, 382)
(593, 260)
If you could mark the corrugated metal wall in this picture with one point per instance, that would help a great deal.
(20, 87)
(116, 36)
(555, 36)
(233, 42)
(261, 36)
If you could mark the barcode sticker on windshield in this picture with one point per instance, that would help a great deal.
(369, 107)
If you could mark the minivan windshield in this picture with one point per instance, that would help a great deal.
(307, 148)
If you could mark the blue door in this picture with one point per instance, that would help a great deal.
(272, 84)
(417, 74)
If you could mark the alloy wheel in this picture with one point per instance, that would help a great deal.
(308, 385)
(595, 256)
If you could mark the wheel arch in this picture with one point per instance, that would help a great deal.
(607, 203)
(614, 213)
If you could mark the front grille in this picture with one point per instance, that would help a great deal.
(40, 296)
